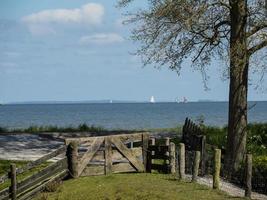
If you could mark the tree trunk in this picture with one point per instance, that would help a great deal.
(237, 117)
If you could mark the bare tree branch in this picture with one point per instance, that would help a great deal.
(256, 29)
(257, 47)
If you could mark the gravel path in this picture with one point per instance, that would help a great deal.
(228, 188)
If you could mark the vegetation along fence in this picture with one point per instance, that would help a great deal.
(195, 140)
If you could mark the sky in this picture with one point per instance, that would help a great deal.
(68, 50)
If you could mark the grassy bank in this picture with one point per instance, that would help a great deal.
(131, 187)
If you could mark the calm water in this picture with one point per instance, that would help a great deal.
(122, 115)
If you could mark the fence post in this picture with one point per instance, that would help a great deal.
(145, 141)
(172, 157)
(181, 160)
(248, 186)
(167, 143)
(149, 154)
(72, 155)
(203, 155)
(217, 168)
(196, 166)
(13, 177)
(108, 156)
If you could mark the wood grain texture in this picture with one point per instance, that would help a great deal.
(138, 165)
(89, 154)
(108, 156)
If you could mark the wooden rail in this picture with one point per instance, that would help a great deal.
(163, 154)
(35, 183)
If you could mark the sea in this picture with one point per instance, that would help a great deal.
(123, 115)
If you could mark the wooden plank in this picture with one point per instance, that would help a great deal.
(61, 164)
(41, 160)
(123, 167)
(128, 154)
(124, 137)
(93, 170)
(89, 154)
(4, 194)
(108, 156)
(35, 182)
(145, 143)
(29, 194)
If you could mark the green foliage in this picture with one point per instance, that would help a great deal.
(133, 186)
(39, 129)
(215, 135)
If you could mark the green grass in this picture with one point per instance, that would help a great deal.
(132, 187)
(5, 167)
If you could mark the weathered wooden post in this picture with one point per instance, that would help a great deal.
(196, 166)
(203, 155)
(108, 156)
(181, 160)
(72, 156)
(13, 177)
(217, 168)
(145, 141)
(167, 143)
(172, 158)
(149, 156)
(248, 178)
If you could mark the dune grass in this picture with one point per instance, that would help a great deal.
(132, 187)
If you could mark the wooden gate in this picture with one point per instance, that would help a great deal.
(108, 154)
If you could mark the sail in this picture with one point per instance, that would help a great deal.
(152, 99)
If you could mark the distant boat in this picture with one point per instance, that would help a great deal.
(184, 100)
(110, 101)
(152, 99)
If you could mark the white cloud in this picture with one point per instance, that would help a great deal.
(8, 64)
(91, 13)
(40, 30)
(101, 38)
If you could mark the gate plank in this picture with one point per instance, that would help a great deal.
(108, 156)
(89, 154)
(128, 154)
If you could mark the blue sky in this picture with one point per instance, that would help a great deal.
(79, 50)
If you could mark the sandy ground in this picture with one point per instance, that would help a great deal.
(26, 146)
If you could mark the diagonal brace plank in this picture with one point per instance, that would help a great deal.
(128, 154)
(89, 154)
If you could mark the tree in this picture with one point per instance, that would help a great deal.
(172, 31)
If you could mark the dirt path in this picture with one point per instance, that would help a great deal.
(228, 188)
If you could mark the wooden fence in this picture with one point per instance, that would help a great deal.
(107, 154)
(161, 157)
(195, 140)
(114, 154)
(28, 187)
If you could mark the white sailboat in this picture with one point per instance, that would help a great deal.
(152, 99)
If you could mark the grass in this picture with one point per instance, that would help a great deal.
(5, 166)
(131, 187)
